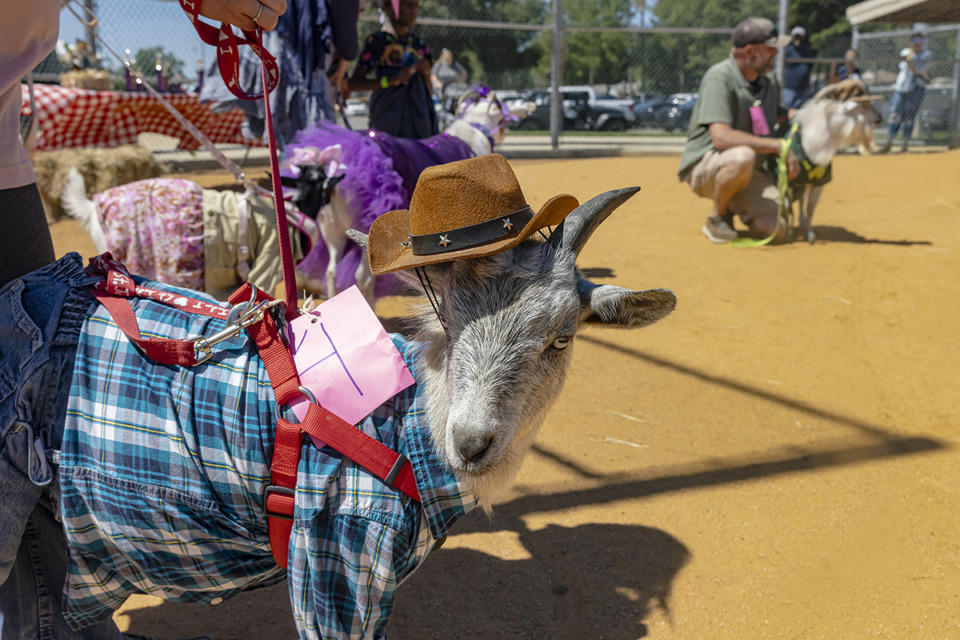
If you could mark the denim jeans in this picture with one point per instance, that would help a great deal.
(41, 315)
(903, 110)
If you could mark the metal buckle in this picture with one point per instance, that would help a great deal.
(395, 469)
(239, 318)
(305, 392)
(273, 488)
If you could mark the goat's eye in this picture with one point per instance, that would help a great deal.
(561, 343)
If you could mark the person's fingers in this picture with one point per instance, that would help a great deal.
(241, 13)
(262, 15)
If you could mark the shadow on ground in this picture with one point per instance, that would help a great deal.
(840, 234)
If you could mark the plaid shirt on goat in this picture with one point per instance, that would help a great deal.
(163, 472)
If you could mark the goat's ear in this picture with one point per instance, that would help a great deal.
(287, 181)
(622, 308)
(357, 236)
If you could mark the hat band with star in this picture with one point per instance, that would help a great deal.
(472, 235)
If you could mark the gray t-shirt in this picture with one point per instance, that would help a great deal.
(726, 96)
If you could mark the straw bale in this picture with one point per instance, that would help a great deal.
(101, 168)
(93, 79)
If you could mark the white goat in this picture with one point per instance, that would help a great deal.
(375, 183)
(839, 116)
(133, 222)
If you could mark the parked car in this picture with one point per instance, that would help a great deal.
(676, 116)
(625, 105)
(644, 112)
(578, 114)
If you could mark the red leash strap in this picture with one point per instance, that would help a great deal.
(286, 253)
(228, 52)
(380, 460)
(118, 285)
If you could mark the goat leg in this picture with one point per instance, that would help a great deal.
(812, 198)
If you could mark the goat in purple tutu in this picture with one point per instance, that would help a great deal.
(377, 174)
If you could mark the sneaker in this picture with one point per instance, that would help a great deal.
(718, 230)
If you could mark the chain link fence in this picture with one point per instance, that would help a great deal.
(644, 58)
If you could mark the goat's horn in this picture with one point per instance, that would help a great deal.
(577, 227)
(358, 237)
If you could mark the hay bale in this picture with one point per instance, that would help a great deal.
(101, 168)
(92, 79)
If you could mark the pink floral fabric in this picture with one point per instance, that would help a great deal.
(155, 228)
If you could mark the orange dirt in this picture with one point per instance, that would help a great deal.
(774, 460)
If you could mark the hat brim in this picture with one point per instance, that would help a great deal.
(388, 244)
(779, 41)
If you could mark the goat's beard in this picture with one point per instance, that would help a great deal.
(494, 484)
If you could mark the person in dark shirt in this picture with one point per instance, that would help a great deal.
(847, 70)
(796, 75)
(395, 65)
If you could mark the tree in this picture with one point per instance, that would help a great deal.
(146, 62)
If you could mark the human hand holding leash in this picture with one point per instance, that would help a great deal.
(246, 14)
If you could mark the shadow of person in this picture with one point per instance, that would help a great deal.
(590, 581)
(839, 234)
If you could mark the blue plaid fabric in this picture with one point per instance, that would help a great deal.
(163, 471)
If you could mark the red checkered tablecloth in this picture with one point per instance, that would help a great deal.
(82, 118)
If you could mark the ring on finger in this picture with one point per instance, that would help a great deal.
(257, 17)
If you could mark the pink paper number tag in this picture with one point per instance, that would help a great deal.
(760, 126)
(345, 358)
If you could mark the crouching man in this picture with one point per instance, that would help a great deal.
(731, 133)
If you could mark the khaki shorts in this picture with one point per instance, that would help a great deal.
(757, 200)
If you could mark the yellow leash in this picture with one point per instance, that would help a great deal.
(783, 197)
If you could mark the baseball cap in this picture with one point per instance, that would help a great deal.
(758, 31)
(798, 31)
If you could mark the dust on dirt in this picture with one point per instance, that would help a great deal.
(776, 459)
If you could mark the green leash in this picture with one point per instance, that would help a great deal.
(783, 198)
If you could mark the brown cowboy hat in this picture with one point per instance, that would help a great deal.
(463, 209)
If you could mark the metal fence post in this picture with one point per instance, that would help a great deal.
(556, 73)
(953, 140)
(91, 35)
(782, 26)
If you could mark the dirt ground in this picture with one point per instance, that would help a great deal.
(776, 459)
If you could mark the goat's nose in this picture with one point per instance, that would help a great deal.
(473, 448)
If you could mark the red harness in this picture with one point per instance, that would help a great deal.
(263, 318)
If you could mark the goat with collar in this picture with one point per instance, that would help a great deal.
(839, 116)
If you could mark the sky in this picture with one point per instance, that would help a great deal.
(140, 24)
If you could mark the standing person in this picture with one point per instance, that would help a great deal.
(796, 75)
(395, 65)
(908, 91)
(445, 72)
(730, 133)
(847, 70)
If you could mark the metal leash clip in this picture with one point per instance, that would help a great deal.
(240, 317)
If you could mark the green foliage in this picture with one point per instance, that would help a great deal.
(652, 62)
(146, 62)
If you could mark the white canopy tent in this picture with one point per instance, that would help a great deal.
(928, 11)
